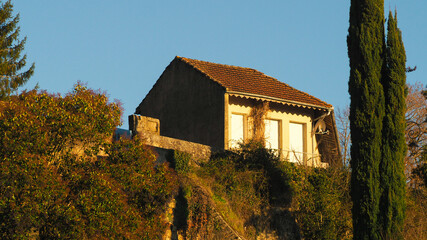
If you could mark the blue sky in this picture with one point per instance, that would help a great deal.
(122, 47)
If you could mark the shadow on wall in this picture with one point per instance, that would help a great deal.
(148, 131)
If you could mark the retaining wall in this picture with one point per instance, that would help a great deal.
(148, 130)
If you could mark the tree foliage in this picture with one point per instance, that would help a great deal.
(11, 62)
(50, 125)
(415, 131)
(54, 185)
(322, 202)
(392, 205)
(366, 53)
(377, 122)
(420, 172)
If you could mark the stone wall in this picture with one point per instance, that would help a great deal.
(197, 151)
(147, 129)
(142, 124)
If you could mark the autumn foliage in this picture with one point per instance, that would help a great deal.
(53, 183)
(50, 125)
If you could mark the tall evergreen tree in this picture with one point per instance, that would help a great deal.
(11, 61)
(366, 45)
(392, 204)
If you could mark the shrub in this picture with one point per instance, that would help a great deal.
(244, 184)
(149, 186)
(260, 189)
(321, 202)
(181, 161)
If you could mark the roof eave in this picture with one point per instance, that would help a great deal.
(280, 100)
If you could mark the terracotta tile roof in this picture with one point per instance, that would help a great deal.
(251, 81)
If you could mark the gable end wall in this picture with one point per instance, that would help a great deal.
(188, 104)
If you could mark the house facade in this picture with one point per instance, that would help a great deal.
(222, 105)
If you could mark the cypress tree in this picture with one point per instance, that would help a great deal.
(366, 45)
(11, 61)
(392, 205)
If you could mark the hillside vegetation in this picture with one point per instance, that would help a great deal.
(261, 197)
(62, 177)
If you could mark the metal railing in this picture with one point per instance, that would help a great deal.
(300, 158)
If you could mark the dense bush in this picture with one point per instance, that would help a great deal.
(246, 187)
(241, 175)
(321, 202)
(148, 186)
(52, 184)
(259, 188)
(181, 161)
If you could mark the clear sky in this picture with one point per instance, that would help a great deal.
(122, 47)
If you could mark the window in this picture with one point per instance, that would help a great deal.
(296, 142)
(271, 133)
(237, 130)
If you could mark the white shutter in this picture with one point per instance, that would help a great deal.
(236, 130)
(271, 133)
(296, 142)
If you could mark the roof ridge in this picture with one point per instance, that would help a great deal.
(227, 65)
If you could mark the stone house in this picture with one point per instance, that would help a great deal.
(216, 105)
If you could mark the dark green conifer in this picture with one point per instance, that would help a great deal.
(11, 61)
(392, 204)
(366, 45)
